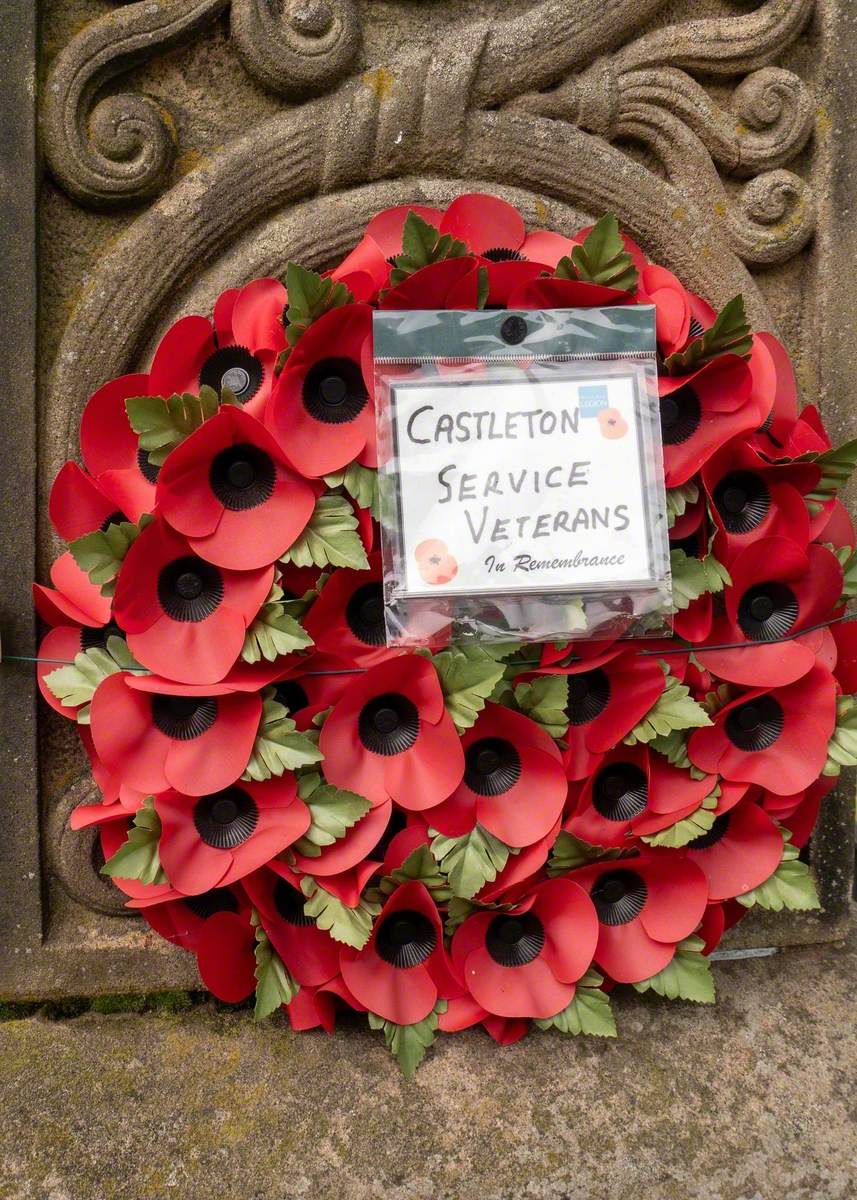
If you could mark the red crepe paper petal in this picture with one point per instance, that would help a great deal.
(506, 1031)
(77, 505)
(747, 854)
(571, 928)
(180, 355)
(225, 956)
(107, 440)
(542, 246)
(257, 315)
(346, 852)
(483, 223)
(528, 991)
(629, 955)
(566, 293)
(75, 596)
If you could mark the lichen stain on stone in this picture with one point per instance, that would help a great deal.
(823, 122)
(190, 160)
(541, 211)
(381, 81)
(720, 209)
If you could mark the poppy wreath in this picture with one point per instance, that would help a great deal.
(489, 835)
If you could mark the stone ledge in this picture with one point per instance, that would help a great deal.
(749, 1100)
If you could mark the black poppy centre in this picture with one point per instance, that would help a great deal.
(242, 477)
(619, 897)
(334, 391)
(515, 940)
(364, 615)
(208, 904)
(184, 717)
(715, 834)
(235, 368)
(289, 903)
(147, 468)
(742, 501)
(755, 725)
(681, 413)
(290, 694)
(620, 792)
(503, 254)
(92, 636)
(388, 724)
(226, 819)
(588, 696)
(190, 589)
(767, 612)
(405, 938)
(492, 766)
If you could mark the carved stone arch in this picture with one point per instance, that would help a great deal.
(194, 225)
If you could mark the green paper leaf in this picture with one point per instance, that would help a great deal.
(361, 483)
(673, 746)
(75, 683)
(137, 857)
(678, 499)
(470, 861)
(674, 709)
(274, 983)
(420, 866)
(423, 245)
(163, 423)
(458, 910)
(791, 886)
(482, 286)
(687, 977)
(601, 259)
(332, 813)
(330, 537)
(842, 747)
(409, 1042)
(692, 577)
(570, 852)
(684, 831)
(837, 466)
(588, 1012)
(544, 701)
(279, 747)
(274, 631)
(352, 926)
(100, 554)
(468, 676)
(730, 334)
(310, 297)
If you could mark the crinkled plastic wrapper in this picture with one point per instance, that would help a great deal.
(521, 476)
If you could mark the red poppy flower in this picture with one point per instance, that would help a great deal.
(430, 287)
(356, 844)
(790, 439)
(390, 737)
(716, 919)
(566, 293)
(702, 411)
(645, 906)
(845, 636)
(181, 919)
(777, 591)
(213, 840)
(173, 739)
(800, 816)
(776, 737)
(526, 962)
(606, 699)
(114, 834)
(462, 1012)
(73, 600)
(504, 279)
(185, 618)
(382, 241)
(110, 447)
(672, 307)
(742, 849)
(521, 871)
(321, 410)
(230, 491)
(634, 792)
(310, 954)
(752, 498)
(514, 783)
(693, 623)
(237, 349)
(403, 969)
(225, 954)
(77, 505)
(346, 622)
(314, 1007)
(838, 528)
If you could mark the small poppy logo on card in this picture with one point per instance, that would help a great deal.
(436, 564)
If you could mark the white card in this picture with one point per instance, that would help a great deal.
(522, 485)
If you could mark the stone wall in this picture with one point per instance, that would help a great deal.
(190, 145)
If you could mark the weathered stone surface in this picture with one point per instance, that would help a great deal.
(750, 1100)
(179, 164)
